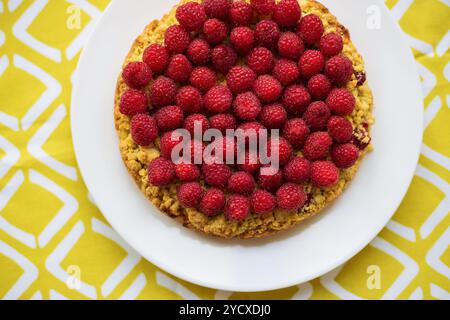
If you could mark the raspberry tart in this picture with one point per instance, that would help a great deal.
(282, 65)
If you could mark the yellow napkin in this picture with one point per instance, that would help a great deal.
(54, 243)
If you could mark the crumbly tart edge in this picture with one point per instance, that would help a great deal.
(136, 158)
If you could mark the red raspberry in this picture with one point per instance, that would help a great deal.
(200, 119)
(290, 45)
(143, 129)
(241, 13)
(242, 183)
(218, 99)
(340, 129)
(260, 60)
(345, 155)
(341, 101)
(317, 146)
(215, 31)
(203, 78)
(311, 63)
(224, 58)
(162, 92)
(169, 118)
(291, 197)
(273, 116)
(251, 162)
(161, 172)
(247, 106)
(213, 202)
(226, 149)
(187, 172)
(263, 7)
(240, 79)
(319, 87)
(223, 122)
(133, 102)
(286, 71)
(267, 88)
(283, 148)
(296, 131)
(217, 8)
(324, 174)
(331, 44)
(216, 174)
(262, 202)
(137, 75)
(310, 29)
(248, 127)
(242, 39)
(287, 13)
(189, 99)
(237, 208)
(168, 141)
(317, 115)
(190, 194)
(298, 170)
(199, 52)
(267, 33)
(296, 99)
(156, 57)
(249, 130)
(270, 180)
(176, 39)
(191, 16)
(339, 69)
(179, 68)
(196, 151)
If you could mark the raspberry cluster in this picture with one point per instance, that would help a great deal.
(280, 70)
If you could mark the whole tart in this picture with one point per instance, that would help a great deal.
(137, 157)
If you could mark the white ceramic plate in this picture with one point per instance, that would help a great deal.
(307, 252)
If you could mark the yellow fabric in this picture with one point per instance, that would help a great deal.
(50, 229)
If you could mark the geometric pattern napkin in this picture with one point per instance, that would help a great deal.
(54, 242)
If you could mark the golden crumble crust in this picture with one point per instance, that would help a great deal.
(136, 158)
